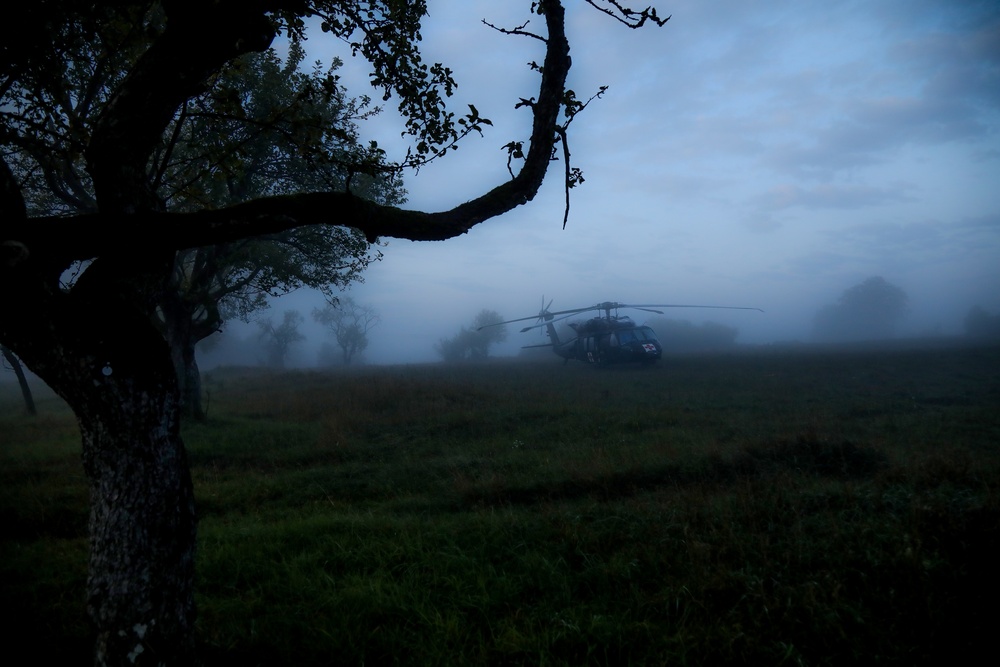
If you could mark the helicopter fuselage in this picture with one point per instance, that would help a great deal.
(610, 341)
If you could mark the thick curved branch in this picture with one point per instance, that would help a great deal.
(89, 236)
(170, 72)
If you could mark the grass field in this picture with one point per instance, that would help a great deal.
(814, 507)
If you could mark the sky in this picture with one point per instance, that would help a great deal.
(765, 154)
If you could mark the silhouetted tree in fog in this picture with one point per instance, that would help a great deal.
(488, 332)
(474, 344)
(349, 322)
(980, 324)
(279, 338)
(868, 311)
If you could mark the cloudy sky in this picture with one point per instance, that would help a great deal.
(767, 154)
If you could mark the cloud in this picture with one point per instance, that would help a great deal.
(830, 196)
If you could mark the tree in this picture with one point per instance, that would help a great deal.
(349, 322)
(279, 338)
(95, 340)
(487, 332)
(265, 128)
(456, 348)
(980, 324)
(868, 311)
(285, 131)
(473, 344)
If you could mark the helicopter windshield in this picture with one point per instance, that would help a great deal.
(645, 333)
(638, 334)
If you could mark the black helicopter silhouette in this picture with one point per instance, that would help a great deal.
(607, 338)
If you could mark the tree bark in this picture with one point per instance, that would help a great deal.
(99, 349)
(120, 383)
(140, 594)
(22, 381)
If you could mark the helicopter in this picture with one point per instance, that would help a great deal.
(604, 339)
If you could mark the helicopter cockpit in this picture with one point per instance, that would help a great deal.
(638, 335)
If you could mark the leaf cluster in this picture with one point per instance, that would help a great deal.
(266, 129)
(54, 87)
(387, 34)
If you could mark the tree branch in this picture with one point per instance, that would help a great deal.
(88, 236)
(170, 72)
(629, 17)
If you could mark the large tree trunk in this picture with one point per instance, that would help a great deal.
(97, 347)
(142, 526)
(140, 595)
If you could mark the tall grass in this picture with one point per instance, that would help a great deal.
(774, 508)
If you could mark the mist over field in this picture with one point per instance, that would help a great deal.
(401, 340)
(767, 156)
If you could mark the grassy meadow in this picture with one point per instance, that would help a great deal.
(796, 507)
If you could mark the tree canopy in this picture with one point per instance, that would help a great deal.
(349, 323)
(867, 311)
(264, 128)
(279, 338)
(474, 343)
(87, 107)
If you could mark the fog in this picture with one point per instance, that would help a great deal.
(753, 155)
(770, 155)
(408, 332)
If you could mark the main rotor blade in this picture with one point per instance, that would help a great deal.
(608, 306)
(552, 321)
(542, 314)
(681, 305)
(496, 324)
